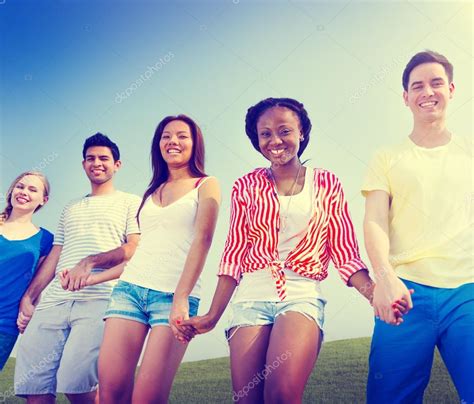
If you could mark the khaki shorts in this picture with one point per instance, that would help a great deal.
(60, 348)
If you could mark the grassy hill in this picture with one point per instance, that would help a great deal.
(339, 377)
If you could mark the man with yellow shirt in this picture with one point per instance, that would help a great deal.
(419, 237)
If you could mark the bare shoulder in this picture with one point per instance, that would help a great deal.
(210, 188)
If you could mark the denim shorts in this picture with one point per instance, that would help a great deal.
(7, 342)
(147, 306)
(252, 313)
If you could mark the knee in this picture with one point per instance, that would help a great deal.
(157, 397)
(114, 394)
(282, 392)
(82, 398)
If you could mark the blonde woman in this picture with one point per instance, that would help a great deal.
(23, 246)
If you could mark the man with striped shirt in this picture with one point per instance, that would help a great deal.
(60, 346)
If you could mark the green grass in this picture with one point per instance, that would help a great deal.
(339, 377)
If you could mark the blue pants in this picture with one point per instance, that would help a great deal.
(401, 357)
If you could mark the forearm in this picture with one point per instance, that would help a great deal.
(44, 275)
(112, 273)
(363, 283)
(377, 245)
(224, 291)
(110, 258)
(193, 266)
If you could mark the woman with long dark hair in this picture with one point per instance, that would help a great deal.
(288, 221)
(23, 247)
(160, 285)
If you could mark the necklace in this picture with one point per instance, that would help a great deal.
(284, 216)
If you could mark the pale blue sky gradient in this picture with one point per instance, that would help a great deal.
(65, 64)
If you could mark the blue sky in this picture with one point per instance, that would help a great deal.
(72, 68)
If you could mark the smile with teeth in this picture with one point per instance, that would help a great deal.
(277, 152)
(21, 199)
(428, 104)
(173, 151)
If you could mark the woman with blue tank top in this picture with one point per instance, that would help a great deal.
(23, 247)
(160, 286)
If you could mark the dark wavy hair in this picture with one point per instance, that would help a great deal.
(427, 56)
(158, 163)
(101, 140)
(255, 112)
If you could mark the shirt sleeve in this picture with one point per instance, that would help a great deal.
(343, 246)
(132, 224)
(59, 235)
(376, 177)
(46, 243)
(236, 246)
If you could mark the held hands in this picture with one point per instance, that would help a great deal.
(392, 299)
(76, 278)
(179, 314)
(65, 280)
(25, 313)
(200, 324)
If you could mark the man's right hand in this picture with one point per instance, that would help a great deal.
(389, 289)
(27, 308)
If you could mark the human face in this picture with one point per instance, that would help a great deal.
(279, 135)
(176, 143)
(429, 92)
(28, 194)
(99, 164)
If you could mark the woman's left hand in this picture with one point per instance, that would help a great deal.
(179, 313)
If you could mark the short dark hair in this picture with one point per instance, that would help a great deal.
(255, 112)
(426, 56)
(101, 140)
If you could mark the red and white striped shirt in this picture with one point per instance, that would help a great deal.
(252, 241)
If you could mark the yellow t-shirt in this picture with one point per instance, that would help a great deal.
(431, 210)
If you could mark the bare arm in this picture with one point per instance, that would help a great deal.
(44, 275)
(105, 276)
(389, 288)
(363, 283)
(95, 278)
(206, 219)
(224, 290)
(229, 271)
(81, 271)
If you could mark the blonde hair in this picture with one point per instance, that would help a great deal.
(5, 214)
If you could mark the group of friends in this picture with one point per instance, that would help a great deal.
(288, 221)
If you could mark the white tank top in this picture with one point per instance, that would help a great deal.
(259, 285)
(166, 237)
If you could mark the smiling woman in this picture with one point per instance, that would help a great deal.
(160, 286)
(23, 246)
(287, 222)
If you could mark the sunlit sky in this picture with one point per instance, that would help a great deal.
(72, 68)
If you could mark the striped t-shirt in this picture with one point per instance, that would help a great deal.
(88, 226)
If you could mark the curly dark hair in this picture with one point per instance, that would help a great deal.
(256, 111)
